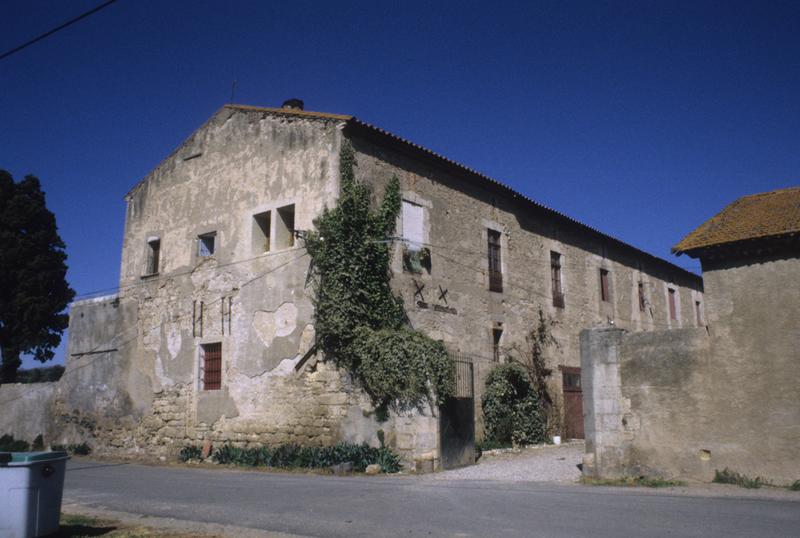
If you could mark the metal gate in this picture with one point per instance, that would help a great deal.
(573, 402)
(457, 418)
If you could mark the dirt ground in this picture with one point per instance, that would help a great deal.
(541, 463)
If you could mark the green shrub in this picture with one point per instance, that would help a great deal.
(638, 481)
(726, 476)
(190, 453)
(292, 456)
(38, 443)
(9, 444)
(511, 409)
(795, 486)
(490, 444)
(80, 449)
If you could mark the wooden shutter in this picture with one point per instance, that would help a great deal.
(672, 313)
(604, 291)
(555, 277)
(495, 263)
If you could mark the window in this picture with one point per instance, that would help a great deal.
(284, 227)
(555, 277)
(211, 362)
(495, 267)
(497, 335)
(412, 225)
(571, 379)
(262, 224)
(642, 299)
(605, 291)
(697, 313)
(206, 244)
(153, 255)
(673, 314)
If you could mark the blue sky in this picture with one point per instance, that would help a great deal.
(641, 119)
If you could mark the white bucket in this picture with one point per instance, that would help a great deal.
(556, 439)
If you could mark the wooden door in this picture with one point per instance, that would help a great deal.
(573, 402)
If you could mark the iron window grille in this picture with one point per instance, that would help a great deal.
(212, 366)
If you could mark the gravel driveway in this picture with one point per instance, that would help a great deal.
(543, 463)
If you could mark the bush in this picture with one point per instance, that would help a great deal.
(292, 456)
(511, 409)
(9, 444)
(190, 453)
(795, 486)
(726, 476)
(80, 449)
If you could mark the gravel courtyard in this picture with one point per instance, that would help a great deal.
(544, 463)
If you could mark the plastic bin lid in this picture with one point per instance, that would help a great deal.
(34, 457)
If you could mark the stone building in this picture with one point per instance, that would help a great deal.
(689, 402)
(211, 333)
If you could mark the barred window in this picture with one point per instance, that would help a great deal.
(211, 362)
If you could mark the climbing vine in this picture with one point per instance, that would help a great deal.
(360, 323)
(532, 358)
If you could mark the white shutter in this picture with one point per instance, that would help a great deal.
(412, 225)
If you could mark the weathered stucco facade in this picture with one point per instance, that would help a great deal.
(208, 258)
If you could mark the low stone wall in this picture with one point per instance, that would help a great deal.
(661, 404)
(25, 410)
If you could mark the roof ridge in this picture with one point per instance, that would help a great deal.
(767, 193)
(290, 112)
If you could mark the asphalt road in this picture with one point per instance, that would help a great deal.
(313, 505)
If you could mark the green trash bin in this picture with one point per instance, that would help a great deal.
(31, 486)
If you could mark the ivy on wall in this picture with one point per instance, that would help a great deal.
(360, 323)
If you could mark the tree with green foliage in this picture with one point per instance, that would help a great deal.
(360, 323)
(33, 287)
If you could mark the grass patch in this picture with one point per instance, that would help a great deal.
(632, 481)
(78, 526)
(726, 476)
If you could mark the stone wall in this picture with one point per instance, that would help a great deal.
(666, 404)
(25, 410)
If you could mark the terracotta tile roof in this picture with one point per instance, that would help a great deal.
(756, 216)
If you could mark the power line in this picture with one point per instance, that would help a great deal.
(168, 276)
(56, 29)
